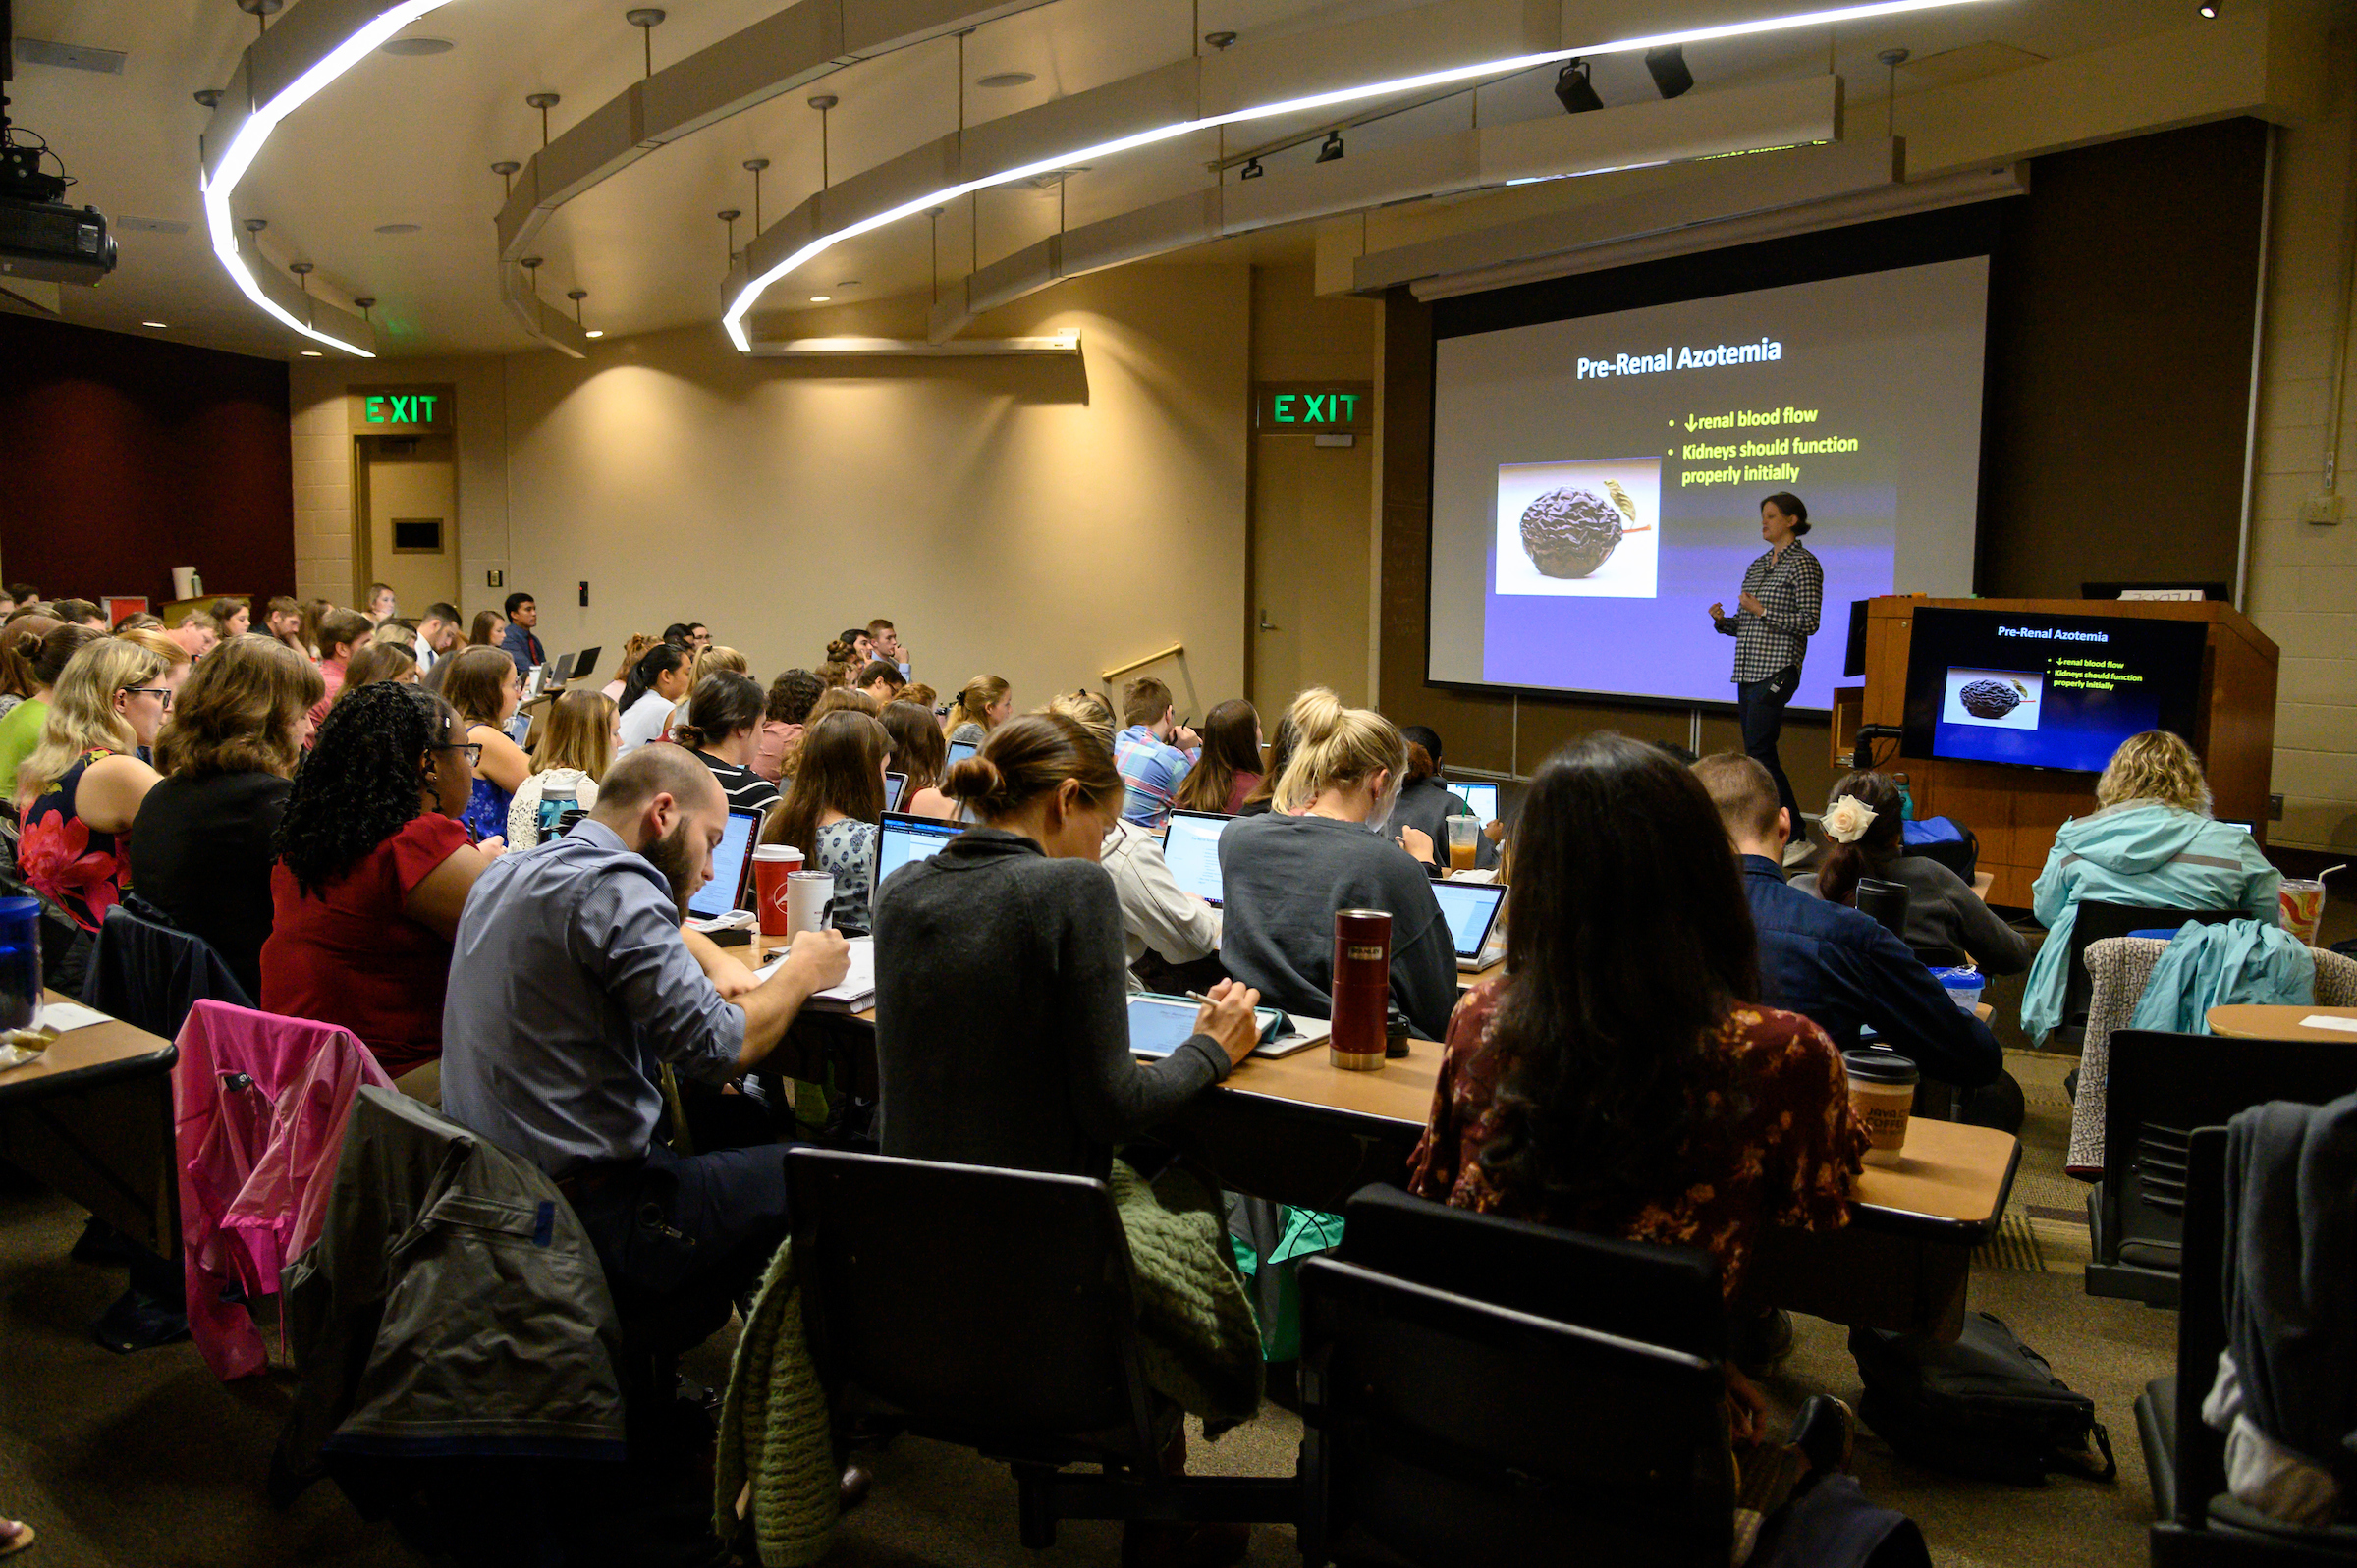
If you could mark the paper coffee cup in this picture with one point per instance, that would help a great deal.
(807, 894)
(1881, 1094)
(773, 863)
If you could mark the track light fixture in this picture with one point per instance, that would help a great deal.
(1251, 169)
(1331, 151)
(1671, 77)
(1574, 91)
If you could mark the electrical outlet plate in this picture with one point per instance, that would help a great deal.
(2275, 808)
(2323, 509)
(495, 578)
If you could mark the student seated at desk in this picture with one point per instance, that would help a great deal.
(82, 787)
(1228, 767)
(1155, 752)
(379, 661)
(484, 686)
(790, 698)
(1942, 910)
(1282, 876)
(2153, 843)
(983, 706)
(1002, 1021)
(573, 979)
(201, 848)
(724, 716)
(374, 869)
(881, 680)
(577, 748)
(1426, 803)
(1839, 967)
(834, 807)
(707, 660)
(21, 727)
(657, 680)
(921, 754)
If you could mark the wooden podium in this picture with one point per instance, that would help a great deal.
(2015, 811)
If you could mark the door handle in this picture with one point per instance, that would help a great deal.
(1266, 625)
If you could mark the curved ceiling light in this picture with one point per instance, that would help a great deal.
(220, 176)
(750, 296)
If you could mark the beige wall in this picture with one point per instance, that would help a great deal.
(2303, 577)
(1037, 518)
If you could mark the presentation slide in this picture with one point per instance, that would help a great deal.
(1597, 481)
(2046, 691)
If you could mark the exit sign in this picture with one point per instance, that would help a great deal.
(1313, 408)
(400, 411)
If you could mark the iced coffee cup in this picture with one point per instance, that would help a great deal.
(1881, 1093)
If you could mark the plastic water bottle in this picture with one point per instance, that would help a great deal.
(20, 961)
(556, 799)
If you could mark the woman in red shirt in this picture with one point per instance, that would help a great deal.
(374, 869)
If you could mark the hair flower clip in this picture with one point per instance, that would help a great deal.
(1847, 818)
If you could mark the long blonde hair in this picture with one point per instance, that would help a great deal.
(973, 704)
(2154, 767)
(1337, 746)
(81, 711)
(580, 733)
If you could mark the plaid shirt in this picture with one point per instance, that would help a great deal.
(1793, 590)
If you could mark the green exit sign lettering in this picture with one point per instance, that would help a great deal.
(416, 410)
(393, 408)
(1313, 408)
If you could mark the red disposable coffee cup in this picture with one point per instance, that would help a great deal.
(773, 863)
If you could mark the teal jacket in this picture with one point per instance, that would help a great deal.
(2144, 853)
(2211, 966)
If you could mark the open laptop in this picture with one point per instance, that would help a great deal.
(1191, 846)
(586, 662)
(959, 750)
(1482, 798)
(894, 784)
(1472, 910)
(562, 671)
(904, 839)
(731, 868)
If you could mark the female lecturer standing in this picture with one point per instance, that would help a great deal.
(1774, 618)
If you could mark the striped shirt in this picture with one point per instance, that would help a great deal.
(1793, 587)
(1154, 769)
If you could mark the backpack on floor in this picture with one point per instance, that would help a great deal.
(1986, 1406)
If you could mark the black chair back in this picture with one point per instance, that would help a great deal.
(988, 1307)
(1666, 1296)
(1885, 902)
(149, 973)
(1447, 1431)
(2160, 1087)
(2097, 920)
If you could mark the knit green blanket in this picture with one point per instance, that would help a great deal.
(1197, 1340)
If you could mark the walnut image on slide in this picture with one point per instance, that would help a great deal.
(1569, 533)
(1989, 699)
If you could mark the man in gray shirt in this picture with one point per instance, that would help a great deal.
(571, 982)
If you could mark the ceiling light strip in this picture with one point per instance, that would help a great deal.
(218, 181)
(750, 296)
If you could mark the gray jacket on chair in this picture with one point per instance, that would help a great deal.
(451, 1304)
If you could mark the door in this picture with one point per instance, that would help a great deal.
(1310, 570)
(409, 514)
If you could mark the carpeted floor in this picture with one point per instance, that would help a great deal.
(146, 1462)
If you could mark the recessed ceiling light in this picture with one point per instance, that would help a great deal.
(312, 353)
(1004, 78)
(399, 228)
(416, 46)
(157, 324)
(820, 298)
(594, 332)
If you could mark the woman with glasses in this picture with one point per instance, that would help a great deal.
(373, 867)
(482, 685)
(80, 789)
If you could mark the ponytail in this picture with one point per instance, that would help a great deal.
(973, 704)
(660, 660)
(1337, 746)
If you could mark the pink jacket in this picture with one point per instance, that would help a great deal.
(258, 1109)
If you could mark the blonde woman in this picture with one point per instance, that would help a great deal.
(983, 706)
(577, 748)
(1285, 873)
(2153, 843)
(80, 789)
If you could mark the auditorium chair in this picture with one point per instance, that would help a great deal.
(1479, 1389)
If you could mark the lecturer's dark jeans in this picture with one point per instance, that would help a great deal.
(1760, 704)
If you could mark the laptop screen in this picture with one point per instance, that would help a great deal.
(585, 662)
(904, 838)
(1192, 848)
(1471, 910)
(726, 891)
(1482, 798)
(894, 784)
(959, 750)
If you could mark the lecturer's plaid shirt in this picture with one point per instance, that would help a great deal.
(1793, 590)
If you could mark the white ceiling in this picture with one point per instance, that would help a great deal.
(410, 140)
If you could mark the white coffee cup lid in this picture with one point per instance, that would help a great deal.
(776, 851)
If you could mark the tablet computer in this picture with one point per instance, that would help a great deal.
(1191, 847)
(959, 750)
(1160, 1025)
(894, 784)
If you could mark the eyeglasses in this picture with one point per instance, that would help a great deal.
(473, 749)
(162, 694)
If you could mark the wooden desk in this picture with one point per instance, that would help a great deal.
(2250, 1021)
(92, 1118)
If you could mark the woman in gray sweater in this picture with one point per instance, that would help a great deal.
(1942, 910)
(1002, 996)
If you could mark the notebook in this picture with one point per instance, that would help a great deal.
(1482, 798)
(1472, 910)
(904, 839)
(855, 990)
(731, 868)
(1191, 846)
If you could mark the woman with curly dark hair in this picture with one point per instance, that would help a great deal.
(373, 867)
(790, 698)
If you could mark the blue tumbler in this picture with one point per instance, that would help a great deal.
(20, 962)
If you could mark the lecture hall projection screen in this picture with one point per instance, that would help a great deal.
(1597, 481)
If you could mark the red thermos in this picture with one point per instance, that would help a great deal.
(1362, 986)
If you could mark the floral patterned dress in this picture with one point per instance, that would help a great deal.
(68, 861)
(847, 851)
(1775, 1146)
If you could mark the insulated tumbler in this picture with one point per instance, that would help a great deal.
(1362, 986)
